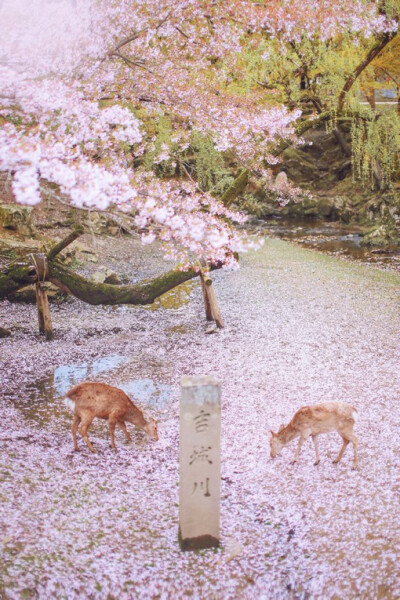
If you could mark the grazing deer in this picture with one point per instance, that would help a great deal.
(313, 420)
(90, 400)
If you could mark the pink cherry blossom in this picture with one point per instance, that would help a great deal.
(74, 75)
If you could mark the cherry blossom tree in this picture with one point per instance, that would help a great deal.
(81, 78)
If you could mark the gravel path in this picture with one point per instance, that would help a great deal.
(301, 328)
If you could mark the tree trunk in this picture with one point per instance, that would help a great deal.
(345, 146)
(237, 187)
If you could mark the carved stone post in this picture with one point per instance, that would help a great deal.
(199, 483)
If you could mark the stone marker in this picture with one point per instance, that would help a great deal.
(199, 483)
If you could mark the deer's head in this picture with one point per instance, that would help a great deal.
(275, 442)
(151, 428)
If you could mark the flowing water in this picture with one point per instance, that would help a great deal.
(334, 238)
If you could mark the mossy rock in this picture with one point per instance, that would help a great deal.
(28, 295)
(386, 233)
(15, 217)
(299, 167)
(259, 207)
(305, 208)
(9, 246)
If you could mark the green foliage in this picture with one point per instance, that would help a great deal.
(254, 206)
(209, 165)
(199, 159)
(376, 141)
(161, 144)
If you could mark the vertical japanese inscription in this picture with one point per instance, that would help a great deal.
(199, 484)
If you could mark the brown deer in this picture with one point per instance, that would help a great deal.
(313, 420)
(90, 400)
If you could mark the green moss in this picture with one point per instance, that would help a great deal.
(237, 187)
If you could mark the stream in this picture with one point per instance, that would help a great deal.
(333, 238)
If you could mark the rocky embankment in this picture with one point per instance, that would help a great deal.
(322, 168)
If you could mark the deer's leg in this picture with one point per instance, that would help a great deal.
(74, 428)
(301, 441)
(86, 422)
(354, 441)
(342, 449)
(124, 429)
(315, 440)
(111, 424)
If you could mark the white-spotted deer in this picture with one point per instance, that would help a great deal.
(314, 420)
(90, 400)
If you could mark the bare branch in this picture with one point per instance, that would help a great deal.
(65, 242)
(130, 62)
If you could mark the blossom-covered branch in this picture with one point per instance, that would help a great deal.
(59, 61)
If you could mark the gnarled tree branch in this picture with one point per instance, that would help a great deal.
(373, 53)
(19, 274)
(103, 293)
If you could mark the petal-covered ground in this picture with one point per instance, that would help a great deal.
(301, 328)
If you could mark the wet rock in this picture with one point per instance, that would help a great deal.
(4, 333)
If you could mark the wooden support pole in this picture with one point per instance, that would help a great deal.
(39, 305)
(199, 473)
(206, 299)
(42, 301)
(48, 326)
(216, 313)
(210, 300)
(44, 316)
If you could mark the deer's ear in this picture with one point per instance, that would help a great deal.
(281, 427)
(273, 433)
